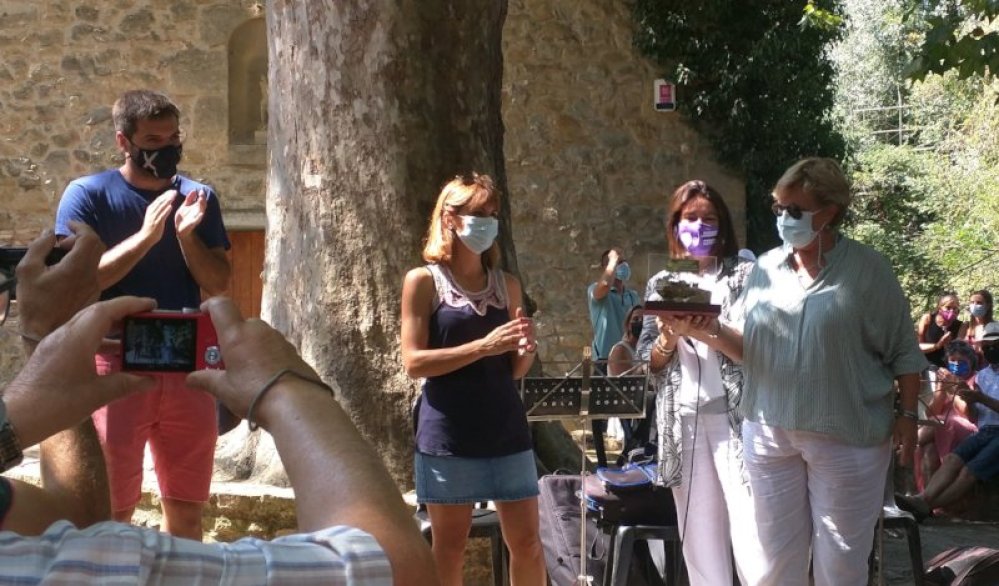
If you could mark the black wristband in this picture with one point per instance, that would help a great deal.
(270, 384)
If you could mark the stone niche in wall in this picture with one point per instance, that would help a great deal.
(248, 93)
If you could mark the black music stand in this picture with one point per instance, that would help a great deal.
(584, 394)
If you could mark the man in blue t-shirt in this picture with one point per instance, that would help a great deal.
(609, 301)
(165, 239)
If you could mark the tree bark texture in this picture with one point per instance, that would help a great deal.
(373, 106)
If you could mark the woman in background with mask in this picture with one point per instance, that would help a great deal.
(939, 327)
(622, 356)
(980, 308)
(823, 330)
(464, 332)
(936, 441)
(620, 361)
(697, 397)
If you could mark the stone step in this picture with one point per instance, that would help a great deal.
(234, 509)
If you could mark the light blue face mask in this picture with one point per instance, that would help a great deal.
(478, 233)
(978, 309)
(622, 271)
(796, 232)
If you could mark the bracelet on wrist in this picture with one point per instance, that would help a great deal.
(663, 349)
(908, 414)
(30, 337)
(271, 383)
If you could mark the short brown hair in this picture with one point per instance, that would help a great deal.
(726, 244)
(135, 105)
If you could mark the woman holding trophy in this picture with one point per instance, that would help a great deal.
(698, 389)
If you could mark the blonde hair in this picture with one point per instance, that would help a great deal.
(821, 178)
(470, 192)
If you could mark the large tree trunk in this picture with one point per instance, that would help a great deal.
(373, 104)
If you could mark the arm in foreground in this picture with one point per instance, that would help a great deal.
(74, 478)
(57, 390)
(338, 478)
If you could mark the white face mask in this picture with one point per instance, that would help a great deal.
(796, 233)
(478, 233)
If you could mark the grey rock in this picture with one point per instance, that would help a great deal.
(98, 116)
(87, 13)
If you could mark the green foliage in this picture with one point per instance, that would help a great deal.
(960, 37)
(929, 202)
(893, 191)
(754, 77)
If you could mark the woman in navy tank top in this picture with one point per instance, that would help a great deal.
(465, 333)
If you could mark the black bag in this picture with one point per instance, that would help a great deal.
(628, 496)
(560, 525)
(964, 566)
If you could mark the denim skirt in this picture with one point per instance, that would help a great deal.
(451, 480)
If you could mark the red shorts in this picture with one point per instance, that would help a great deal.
(181, 426)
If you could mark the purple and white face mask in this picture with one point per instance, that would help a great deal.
(697, 237)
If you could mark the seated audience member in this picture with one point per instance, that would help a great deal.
(953, 414)
(621, 361)
(980, 308)
(977, 457)
(938, 327)
(355, 527)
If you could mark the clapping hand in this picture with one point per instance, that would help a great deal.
(191, 212)
(156, 215)
(507, 337)
(527, 344)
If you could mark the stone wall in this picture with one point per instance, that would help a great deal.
(590, 163)
(63, 63)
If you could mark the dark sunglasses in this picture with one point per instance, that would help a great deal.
(792, 210)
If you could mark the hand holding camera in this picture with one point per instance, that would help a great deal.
(254, 352)
(62, 372)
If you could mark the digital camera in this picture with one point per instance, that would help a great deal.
(10, 256)
(170, 341)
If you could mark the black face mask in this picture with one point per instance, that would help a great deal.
(991, 353)
(160, 163)
(636, 328)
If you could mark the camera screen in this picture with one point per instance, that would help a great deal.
(157, 344)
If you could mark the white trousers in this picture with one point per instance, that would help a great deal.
(719, 518)
(814, 491)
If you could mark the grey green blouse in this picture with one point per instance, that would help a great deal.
(823, 357)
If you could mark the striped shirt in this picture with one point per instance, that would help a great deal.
(823, 358)
(114, 553)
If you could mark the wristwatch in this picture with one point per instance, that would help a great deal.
(10, 447)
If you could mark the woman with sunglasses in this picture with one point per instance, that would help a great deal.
(465, 333)
(824, 332)
(697, 396)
